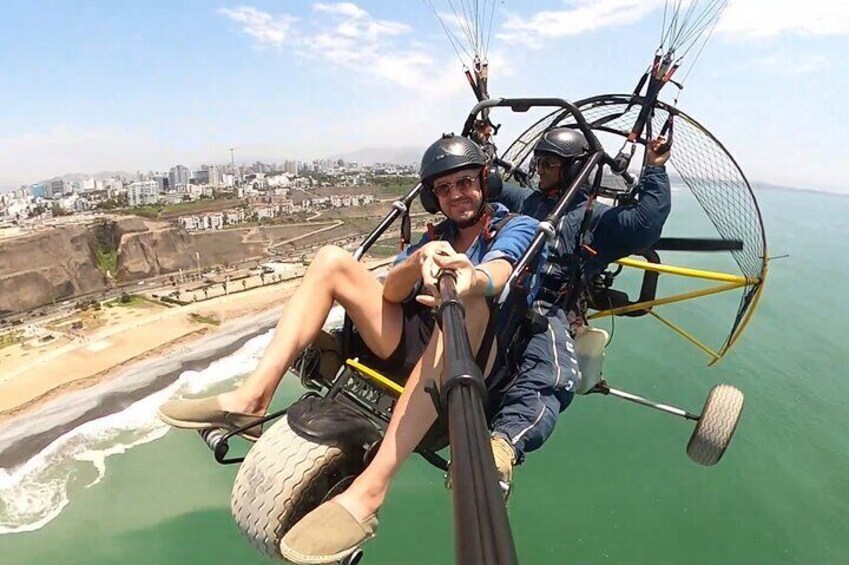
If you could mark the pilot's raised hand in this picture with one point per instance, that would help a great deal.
(658, 151)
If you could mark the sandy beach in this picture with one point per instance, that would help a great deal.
(138, 352)
(32, 375)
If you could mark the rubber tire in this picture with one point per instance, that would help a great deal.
(283, 477)
(716, 426)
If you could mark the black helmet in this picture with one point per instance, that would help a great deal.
(450, 153)
(568, 144)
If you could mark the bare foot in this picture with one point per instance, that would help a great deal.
(237, 401)
(361, 506)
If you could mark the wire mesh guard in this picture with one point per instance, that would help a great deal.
(705, 166)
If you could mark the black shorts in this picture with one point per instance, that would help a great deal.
(417, 326)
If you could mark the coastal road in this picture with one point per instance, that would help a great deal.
(333, 226)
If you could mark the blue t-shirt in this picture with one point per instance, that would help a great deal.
(511, 241)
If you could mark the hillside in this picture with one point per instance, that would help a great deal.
(61, 263)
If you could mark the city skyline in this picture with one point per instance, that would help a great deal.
(135, 87)
(280, 166)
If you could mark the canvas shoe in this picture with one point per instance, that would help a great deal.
(202, 413)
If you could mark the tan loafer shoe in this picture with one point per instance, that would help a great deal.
(326, 535)
(202, 413)
(505, 458)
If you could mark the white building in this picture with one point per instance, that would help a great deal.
(236, 216)
(15, 209)
(216, 221)
(170, 198)
(263, 213)
(279, 181)
(143, 193)
(189, 223)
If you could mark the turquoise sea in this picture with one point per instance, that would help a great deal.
(613, 485)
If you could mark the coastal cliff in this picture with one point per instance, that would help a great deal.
(46, 266)
(61, 263)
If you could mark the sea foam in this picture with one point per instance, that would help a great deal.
(36, 492)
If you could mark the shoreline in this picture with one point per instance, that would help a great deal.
(97, 378)
(35, 427)
(34, 421)
(132, 336)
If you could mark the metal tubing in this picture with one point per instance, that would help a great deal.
(387, 221)
(684, 271)
(686, 335)
(666, 300)
(390, 385)
(482, 533)
(749, 313)
(645, 402)
(553, 218)
(524, 104)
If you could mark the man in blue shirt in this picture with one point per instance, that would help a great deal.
(396, 323)
(545, 374)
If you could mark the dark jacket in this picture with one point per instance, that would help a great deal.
(615, 232)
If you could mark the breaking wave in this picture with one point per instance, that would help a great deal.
(36, 492)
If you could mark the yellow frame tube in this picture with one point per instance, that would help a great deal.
(689, 337)
(684, 271)
(388, 384)
(733, 281)
(749, 313)
(668, 300)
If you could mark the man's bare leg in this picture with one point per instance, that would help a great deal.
(412, 416)
(333, 275)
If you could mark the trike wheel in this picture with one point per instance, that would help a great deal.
(283, 477)
(716, 425)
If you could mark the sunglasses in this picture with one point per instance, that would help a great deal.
(464, 184)
(545, 163)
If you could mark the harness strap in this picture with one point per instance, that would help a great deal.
(406, 230)
(577, 280)
(489, 335)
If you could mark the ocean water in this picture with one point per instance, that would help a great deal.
(613, 485)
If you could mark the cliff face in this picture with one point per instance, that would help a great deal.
(156, 250)
(60, 263)
(39, 268)
(229, 246)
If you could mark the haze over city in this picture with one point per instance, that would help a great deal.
(96, 86)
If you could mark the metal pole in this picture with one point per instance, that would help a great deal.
(547, 228)
(645, 402)
(482, 532)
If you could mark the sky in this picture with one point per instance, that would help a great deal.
(89, 86)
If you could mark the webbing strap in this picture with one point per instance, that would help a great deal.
(489, 335)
